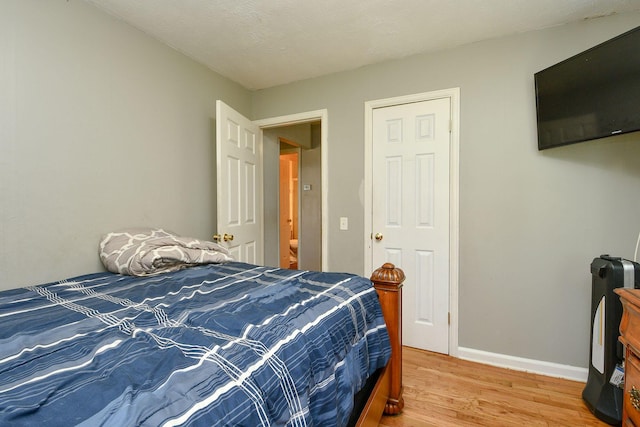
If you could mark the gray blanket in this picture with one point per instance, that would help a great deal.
(146, 251)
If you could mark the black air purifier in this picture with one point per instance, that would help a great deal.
(602, 397)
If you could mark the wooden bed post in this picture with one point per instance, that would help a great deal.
(387, 281)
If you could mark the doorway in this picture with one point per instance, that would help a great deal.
(289, 235)
(296, 236)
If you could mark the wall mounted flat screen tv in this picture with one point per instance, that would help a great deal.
(592, 95)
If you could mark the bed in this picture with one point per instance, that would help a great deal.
(213, 344)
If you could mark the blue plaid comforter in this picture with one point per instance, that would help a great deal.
(231, 344)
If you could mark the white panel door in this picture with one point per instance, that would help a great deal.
(239, 185)
(410, 218)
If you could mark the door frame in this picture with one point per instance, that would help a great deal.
(454, 189)
(306, 117)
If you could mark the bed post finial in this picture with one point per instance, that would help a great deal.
(387, 281)
(388, 274)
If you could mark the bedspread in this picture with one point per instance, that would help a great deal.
(231, 344)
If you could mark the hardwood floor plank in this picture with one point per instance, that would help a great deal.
(443, 391)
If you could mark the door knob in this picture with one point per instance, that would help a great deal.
(378, 236)
(226, 237)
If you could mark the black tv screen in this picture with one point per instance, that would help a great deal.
(592, 95)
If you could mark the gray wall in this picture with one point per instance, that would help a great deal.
(271, 188)
(530, 222)
(102, 128)
(310, 238)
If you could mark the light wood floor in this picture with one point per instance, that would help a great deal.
(444, 391)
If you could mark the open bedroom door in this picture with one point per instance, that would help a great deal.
(239, 185)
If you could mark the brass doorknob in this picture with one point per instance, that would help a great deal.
(378, 236)
(226, 237)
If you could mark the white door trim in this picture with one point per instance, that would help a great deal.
(306, 117)
(454, 170)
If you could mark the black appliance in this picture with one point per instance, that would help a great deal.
(602, 397)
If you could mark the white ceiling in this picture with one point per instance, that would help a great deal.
(264, 43)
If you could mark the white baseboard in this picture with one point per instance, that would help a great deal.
(521, 364)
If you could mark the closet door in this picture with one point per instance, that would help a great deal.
(410, 215)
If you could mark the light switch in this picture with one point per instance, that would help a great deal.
(344, 223)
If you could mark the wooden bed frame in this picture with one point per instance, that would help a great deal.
(387, 393)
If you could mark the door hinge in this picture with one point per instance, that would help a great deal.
(449, 318)
(450, 125)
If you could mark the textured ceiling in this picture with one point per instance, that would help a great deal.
(264, 43)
